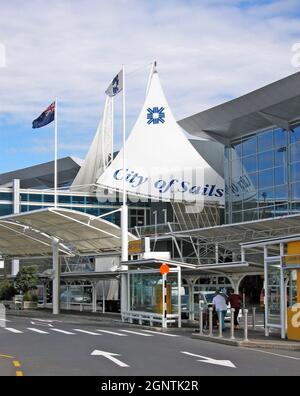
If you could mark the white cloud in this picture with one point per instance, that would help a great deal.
(206, 50)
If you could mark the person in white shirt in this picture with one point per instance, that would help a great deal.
(220, 305)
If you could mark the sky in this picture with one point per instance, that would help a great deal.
(208, 52)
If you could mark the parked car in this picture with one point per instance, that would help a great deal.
(75, 296)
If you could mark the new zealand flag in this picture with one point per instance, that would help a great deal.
(45, 118)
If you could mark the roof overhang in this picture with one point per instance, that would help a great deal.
(277, 104)
(33, 233)
(232, 236)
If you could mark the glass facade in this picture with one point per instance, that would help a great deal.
(139, 214)
(262, 175)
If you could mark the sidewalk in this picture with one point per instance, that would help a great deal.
(256, 339)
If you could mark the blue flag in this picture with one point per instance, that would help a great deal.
(45, 118)
(116, 85)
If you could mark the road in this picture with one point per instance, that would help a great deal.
(35, 347)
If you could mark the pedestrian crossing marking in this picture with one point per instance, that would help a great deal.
(160, 333)
(135, 332)
(63, 331)
(37, 330)
(87, 332)
(12, 330)
(112, 332)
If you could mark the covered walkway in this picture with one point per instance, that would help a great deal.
(54, 232)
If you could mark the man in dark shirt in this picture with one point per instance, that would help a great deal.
(235, 302)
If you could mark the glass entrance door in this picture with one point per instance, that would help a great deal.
(273, 279)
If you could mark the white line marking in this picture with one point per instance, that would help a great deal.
(4, 320)
(37, 330)
(13, 330)
(86, 332)
(135, 332)
(110, 356)
(272, 353)
(113, 333)
(63, 331)
(204, 359)
(160, 333)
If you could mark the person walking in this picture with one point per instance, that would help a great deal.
(220, 305)
(235, 302)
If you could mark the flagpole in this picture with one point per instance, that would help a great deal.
(55, 154)
(124, 219)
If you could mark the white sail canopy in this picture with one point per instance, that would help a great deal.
(100, 153)
(160, 161)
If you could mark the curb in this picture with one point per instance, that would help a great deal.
(249, 343)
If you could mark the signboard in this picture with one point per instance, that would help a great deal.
(293, 311)
(293, 319)
(136, 247)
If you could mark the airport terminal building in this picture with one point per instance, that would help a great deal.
(248, 241)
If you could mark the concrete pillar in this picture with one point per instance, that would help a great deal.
(15, 266)
(16, 196)
(124, 293)
(94, 296)
(191, 300)
(103, 297)
(56, 278)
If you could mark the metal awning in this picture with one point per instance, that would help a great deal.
(20, 240)
(238, 267)
(231, 236)
(79, 233)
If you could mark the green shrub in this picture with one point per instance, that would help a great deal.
(30, 295)
(27, 279)
(7, 290)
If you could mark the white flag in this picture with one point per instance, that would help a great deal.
(116, 85)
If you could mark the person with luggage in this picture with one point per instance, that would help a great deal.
(235, 302)
(220, 305)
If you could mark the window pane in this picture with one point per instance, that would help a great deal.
(265, 160)
(249, 145)
(295, 152)
(266, 179)
(295, 136)
(280, 176)
(266, 197)
(5, 210)
(250, 164)
(280, 137)
(280, 155)
(296, 191)
(281, 192)
(238, 149)
(295, 172)
(250, 215)
(265, 141)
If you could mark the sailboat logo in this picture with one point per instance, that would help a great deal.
(155, 115)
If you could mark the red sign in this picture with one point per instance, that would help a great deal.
(164, 269)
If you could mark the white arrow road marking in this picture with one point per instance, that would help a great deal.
(37, 330)
(13, 330)
(135, 332)
(160, 333)
(63, 331)
(87, 332)
(109, 356)
(204, 359)
(113, 333)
